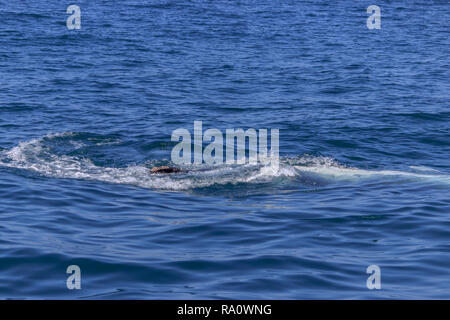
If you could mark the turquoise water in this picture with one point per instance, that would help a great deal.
(364, 173)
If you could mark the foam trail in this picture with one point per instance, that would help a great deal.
(343, 173)
(36, 155)
(43, 156)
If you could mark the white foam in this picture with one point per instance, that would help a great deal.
(343, 173)
(35, 155)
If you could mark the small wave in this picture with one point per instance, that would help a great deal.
(424, 169)
(39, 155)
(328, 168)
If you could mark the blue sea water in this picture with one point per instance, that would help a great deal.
(364, 176)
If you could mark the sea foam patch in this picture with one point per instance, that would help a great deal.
(39, 155)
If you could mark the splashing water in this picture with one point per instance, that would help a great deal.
(41, 155)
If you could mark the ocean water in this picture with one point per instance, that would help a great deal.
(364, 175)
